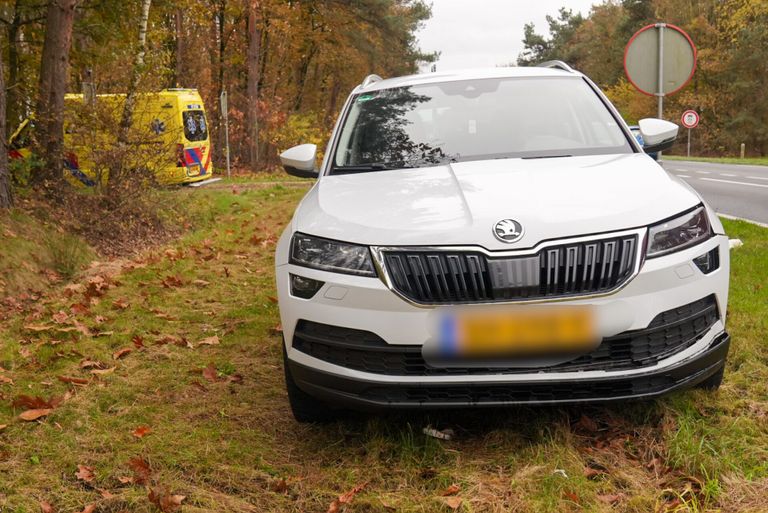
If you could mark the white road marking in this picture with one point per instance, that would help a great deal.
(758, 177)
(703, 172)
(684, 176)
(737, 183)
(735, 218)
(727, 174)
(679, 169)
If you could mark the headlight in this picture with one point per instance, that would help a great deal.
(678, 233)
(331, 255)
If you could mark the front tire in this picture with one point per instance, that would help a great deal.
(305, 408)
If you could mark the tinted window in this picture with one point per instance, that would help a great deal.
(477, 119)
(195, 126)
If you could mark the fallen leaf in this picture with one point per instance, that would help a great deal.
(38, 327)
(141, 431)
(6, 380)
(60, 317)
(210, 373)
(172, 281)
(165, 501)
(141, 470)
(138, 342)
(74, 381)
(120, 304)
(121, 353)
(612, 498)
(452, 502)
(279, 486)
(79, 309)
(201, 283)
(345, 498)
(45, 507)
(102, 372)
(35, 403)
(31, 415)
(106, 493)
(85, 473)
(210, 341)
(272, 299)
(89, 364)
(90, 508)
(572, 496)
(451, 490)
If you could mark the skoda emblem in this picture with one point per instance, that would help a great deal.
(508, 230)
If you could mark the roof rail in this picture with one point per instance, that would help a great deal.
(370, 79)
(557, 65)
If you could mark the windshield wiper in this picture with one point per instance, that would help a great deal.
(545, 157)
(374, 166)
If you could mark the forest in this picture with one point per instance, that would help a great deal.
(286, 65)
(728, 88)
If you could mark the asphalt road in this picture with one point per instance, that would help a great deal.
(731, 189)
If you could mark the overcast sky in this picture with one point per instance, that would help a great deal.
(482, 33)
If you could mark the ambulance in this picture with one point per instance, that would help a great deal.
(169, 130)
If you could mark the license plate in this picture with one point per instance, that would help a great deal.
(524, 332)
(193, 170)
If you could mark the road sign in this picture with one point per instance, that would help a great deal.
(690, 119)
(659, 60)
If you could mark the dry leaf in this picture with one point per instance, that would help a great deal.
(451, 490)
(120, 304)
(210, 341)
(6, 380)
(45, 507)
(201, 283)
(210, 373)
(89, 364)
(60, 317)
(142, 431)
(345, 498)
(74, 381)
(138, 342)
(102, 372)
(90, 508)
(165, 501)
(3, 426)
(141, 470)
(31, 415)
(85, 473)
(35, 403)
(121, 353)
(452, 502)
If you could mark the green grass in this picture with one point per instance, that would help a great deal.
(755, 161)
(231, 446)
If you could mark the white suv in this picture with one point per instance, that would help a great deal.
(491, 238)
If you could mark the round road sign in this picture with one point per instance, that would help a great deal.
(641, 59)
(690, 119)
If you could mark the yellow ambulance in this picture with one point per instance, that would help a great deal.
(169, 136)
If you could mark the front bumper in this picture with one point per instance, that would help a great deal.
(366, 304)
(366, 395)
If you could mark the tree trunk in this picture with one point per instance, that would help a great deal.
(13, 100)
(179, 19)
(138, 68)
(252, 90)
(54, 71)
(6, 199)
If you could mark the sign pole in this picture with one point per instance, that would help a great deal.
(225, 115)
(660, 115)
(689, 143)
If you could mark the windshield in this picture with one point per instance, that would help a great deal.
(432, 124)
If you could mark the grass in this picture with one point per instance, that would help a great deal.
(231, 444)
(755, 161)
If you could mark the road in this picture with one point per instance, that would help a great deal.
(731, 189)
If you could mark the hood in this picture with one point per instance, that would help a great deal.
(459, 204)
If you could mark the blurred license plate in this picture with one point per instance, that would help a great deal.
(530, 331)
(193, 170)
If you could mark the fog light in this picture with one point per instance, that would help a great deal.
(709, 261)
(303, 287)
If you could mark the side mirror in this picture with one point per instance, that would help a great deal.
(300, 160)
(658, 135)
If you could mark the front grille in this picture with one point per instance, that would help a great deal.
(444, 276)
(668, 333)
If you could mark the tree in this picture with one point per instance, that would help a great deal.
(537, 48)
(54, 71)
(252, 90)
(6, 199)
